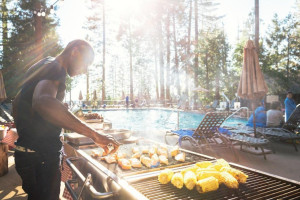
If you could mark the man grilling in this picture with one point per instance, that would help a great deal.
(40, 115)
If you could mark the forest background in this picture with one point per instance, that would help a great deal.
(150, 49)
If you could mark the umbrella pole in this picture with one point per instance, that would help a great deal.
(254, 124)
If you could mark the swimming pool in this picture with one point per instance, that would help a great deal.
(157, 119)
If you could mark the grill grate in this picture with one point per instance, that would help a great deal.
(258, 186)
(190, 158)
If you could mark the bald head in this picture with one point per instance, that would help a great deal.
(79, 54)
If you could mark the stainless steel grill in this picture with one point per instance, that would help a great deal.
(143, 184)
(258, 186)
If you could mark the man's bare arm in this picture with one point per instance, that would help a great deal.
(45, 103)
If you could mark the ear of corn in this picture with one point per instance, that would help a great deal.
(228, 180)
(203, 164)
(165, 176)
(193, 169)
(240, 176)
(177, 180)
(207, 185)
(221, 163)
(189, 180)
(206, 174)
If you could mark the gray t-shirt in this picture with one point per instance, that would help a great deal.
(274, 117)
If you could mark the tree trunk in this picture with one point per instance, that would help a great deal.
(87, 87)
(38, 34)
(188, 51)
(176, 57)
(161, 62)
(156, 74)
(130, 63)
(103, 69)
(4, 34)
(257, 26)
(168, 57)
(196, 50)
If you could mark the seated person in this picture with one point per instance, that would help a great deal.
(260, 117)
(274, 115)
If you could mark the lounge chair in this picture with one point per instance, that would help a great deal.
(208, 133)
(287, 132)
(205, 134)
(244, 140)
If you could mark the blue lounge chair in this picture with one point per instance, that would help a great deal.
(205, 134)
(287, 132)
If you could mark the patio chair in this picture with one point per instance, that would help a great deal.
(205, 134)
(287, 132)
(244, 140)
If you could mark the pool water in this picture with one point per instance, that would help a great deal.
(154, 119)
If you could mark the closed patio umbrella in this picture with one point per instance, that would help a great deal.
(2, 88)
(80, 96)
(252, 84)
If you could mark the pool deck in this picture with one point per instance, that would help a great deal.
(284, 163)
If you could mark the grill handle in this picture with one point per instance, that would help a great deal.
(87, 183)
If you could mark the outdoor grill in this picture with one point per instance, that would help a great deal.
(109, 181)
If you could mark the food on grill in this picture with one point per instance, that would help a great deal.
(92, 116)
(96, 153)
(146, 161)
(193, 169)
(205, 174)
(162, 152)
(121, 155)
(220, 163)
(163, 159)
(124, 163)
(207, 185)
(135, 150)
(136, 155)
(110, 158)
(189, 180)
(204, 164)
(165, 176)
(228, 180)
(152, 151)
(180, 157)
(177, 180)
(174, 151)
(145, 150)
(154, 161)
(240, 176)
(135, 162)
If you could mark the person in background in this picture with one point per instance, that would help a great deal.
(274, 115)
(290, 105)
(40, 115)
(260, 116)
(127, 101)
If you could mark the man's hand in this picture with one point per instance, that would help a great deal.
(104, 140)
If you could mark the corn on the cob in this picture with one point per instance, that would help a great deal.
(211, 169)
(165, 176)
(203, 164)
(207, 185)
(189, 180)
(193, 169)
(177, 180)
(206, 174)
(220, 163)
(228, 180)
(240, 176)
